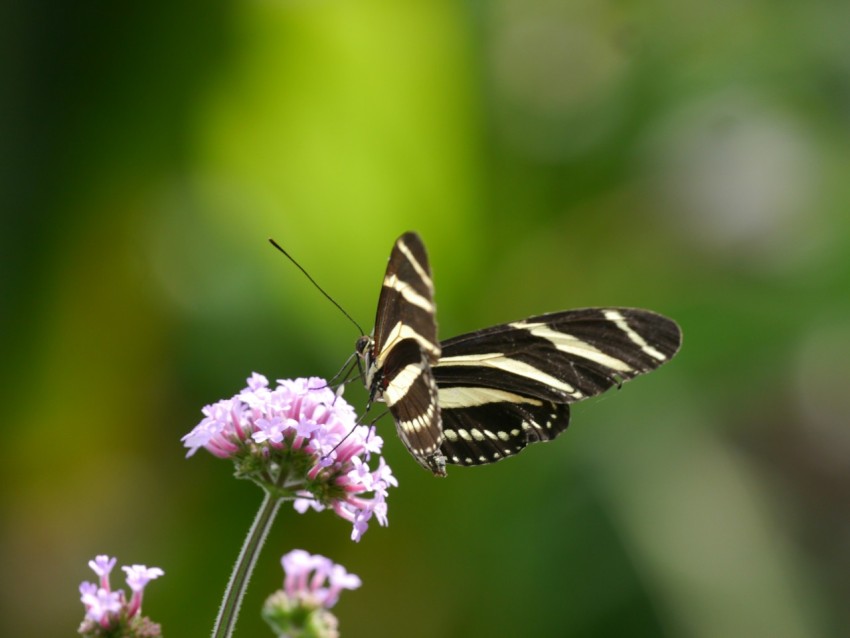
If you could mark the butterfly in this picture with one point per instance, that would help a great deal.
(486, 395)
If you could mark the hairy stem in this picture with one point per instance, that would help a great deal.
(238, 584)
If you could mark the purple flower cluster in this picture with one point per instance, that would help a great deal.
(110, 608)
(312, 586)
(314, 578)
(301, 442)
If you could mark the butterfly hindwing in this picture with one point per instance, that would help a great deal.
(490, 432)
(411, 396)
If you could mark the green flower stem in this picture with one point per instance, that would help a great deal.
(238, 584)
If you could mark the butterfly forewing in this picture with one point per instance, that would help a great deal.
(406, 304)
(399, 357)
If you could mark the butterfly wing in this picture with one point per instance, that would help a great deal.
(505, 387)
(404, 348)
(406, 305)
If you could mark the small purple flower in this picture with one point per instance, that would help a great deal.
(137, 577)
(102, 565)
(340, 579)
(300, 441)
(272, 430)
(361, 473)
(297, 565)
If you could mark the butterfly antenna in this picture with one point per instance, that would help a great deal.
(313, 281)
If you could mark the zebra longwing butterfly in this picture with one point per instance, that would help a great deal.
(484, 396)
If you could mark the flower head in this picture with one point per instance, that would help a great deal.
(312, 585)
(110, 610)
(301, 442)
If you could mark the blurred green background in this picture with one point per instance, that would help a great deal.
(688, 157)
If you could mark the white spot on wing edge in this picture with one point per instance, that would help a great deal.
(419, 423)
